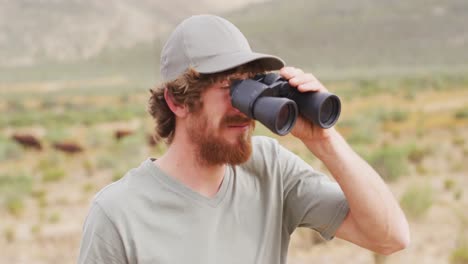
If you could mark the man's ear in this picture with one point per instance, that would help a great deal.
(178, 109)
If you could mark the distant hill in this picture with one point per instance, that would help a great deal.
(53, 39)
(71, 30)
(363, 34)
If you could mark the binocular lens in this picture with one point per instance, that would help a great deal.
(285, 117)
(329, 111)
(277, 114)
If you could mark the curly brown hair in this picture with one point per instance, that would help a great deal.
(187, 90)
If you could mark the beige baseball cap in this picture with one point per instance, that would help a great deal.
(209, 44)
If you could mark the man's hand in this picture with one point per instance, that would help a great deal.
(370, 201)
(304, 129)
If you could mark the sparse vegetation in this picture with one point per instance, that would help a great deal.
(15, 205)
(417, 153)
(15, 185)
(390, 162)
(396, 116)
(117, 175)
(10, 234)
(36, 229)
(462, 113)
(449, 184)
(9, 150)
(460, 255)
(416, 200)
(54, 218)
(53, 174)
(88, 187)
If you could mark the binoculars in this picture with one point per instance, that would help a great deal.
(270, 99)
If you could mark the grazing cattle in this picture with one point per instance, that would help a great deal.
(27, 141)
(68, 147)
(121, 133)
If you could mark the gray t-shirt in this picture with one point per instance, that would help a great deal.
(150, 217)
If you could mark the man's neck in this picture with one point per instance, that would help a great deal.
(180, 161)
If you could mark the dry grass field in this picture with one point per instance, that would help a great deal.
(414, 131)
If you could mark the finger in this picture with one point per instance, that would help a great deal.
(314, 86)
(302, 78)
(290, 72)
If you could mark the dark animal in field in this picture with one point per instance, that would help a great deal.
(27, 141)
(121, 133)
(68, 147)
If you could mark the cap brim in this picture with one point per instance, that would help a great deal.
(225, 62)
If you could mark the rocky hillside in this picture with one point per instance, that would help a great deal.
(70, 30)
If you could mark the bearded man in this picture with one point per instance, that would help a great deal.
(220, 195)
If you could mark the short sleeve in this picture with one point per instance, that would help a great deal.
(311, 199)
(101, 243)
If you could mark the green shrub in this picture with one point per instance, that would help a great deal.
(417, 200)
(106, 161)
(35, 229)
(397, 116)
(9, 149)
(390, 162)
(416, 153)
(421, 169)
(59, 133)
(449, 184)
(38, 193)
(364, 130)
(462, 113)
(88, 187)
(54, 218)
(117, 176)
(17, 185)
(53, 174)
(15, 205)
(460, 255)
(10, 234)
(458, 141)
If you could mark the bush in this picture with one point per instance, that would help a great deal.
(54, 218)
(462, 113)
(9, 149)
(17, 185)
(460, 255)
(88, 187)
(417, 200)
(416, 153)
(53, 174)
(15, 205)
(363, 130)
(10, 234)
(449, 184)
(396, 116)
(390, 162)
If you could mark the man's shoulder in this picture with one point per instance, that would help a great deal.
(264, 154)
(262, 143)
(120, 193)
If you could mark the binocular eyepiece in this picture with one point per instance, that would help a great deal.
(270, 99)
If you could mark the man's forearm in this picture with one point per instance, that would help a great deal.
(373, 207)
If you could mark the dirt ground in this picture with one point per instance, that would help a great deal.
(48, 229)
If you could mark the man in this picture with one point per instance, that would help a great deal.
(219, 195)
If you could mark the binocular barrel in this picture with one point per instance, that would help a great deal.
(270, 100)
(322, 108)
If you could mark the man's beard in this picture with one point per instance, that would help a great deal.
(213, 149)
